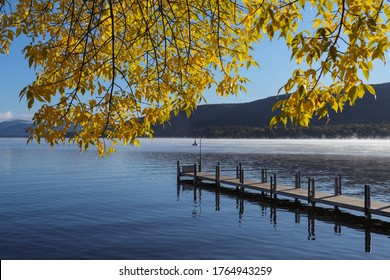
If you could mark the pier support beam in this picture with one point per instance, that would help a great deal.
(273, 186)
(218, 174)
(242, 176)
(298, 180)
(311, 191)
(178, 172)
(264, 175)
(196, 180)
(337, 185)
(238, 170)
(367, 201)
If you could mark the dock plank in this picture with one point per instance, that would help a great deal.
(342, 201)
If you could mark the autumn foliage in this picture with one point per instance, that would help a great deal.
(116, 68)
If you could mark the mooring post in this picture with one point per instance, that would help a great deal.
(313, 191)
(274, 181)
(367, 201)
(337, 185)
(242, 176)
(273, 186)
(217, 174)
(195, 174)
(264, 175)
(238, 171)
(178, 171)
(310, 190)
(298, 180)
(275, 195)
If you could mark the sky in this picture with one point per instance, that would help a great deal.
(273, 57)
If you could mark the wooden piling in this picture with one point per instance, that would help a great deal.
(337, 185)
(178, 171)
(275, 181)
(367, 200)
(218, 174)
(273, 186)
(311, 190)
(264, 175)
(238, 171)
(298, 180)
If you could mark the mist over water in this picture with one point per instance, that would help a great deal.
(60, 204)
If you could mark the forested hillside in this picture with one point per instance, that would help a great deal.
(370, 117)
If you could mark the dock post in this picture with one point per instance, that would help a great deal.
(242, 176)
(195, 174)
(218, 174)
(298, 180)
(311, 191)
(238, 171)
(273, 186)
(337, 185)
(264, 175)
(178, 171)
(275, 195)
(367, 201)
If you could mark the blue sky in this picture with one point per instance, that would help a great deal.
(275, 69)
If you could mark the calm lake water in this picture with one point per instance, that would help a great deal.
(60, 204)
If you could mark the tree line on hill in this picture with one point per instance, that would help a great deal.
(369, 118)
(332, 131)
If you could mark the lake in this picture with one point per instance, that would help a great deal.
(60, 204)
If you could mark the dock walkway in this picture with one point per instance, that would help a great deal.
(309, 194)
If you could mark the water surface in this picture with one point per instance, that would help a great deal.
(60, 204)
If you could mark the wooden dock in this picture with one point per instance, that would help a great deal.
(273, 189)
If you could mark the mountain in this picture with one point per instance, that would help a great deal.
(370, 117)
(368, 110)
(14, 128)
(224, 119)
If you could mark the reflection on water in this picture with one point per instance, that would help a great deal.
(311, 228)
(58, 204)
(270, 209)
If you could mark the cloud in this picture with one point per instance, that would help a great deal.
(6, 116)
